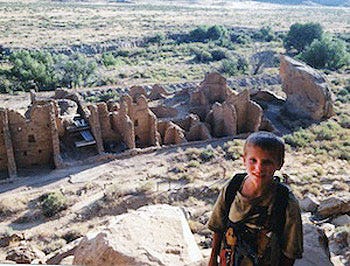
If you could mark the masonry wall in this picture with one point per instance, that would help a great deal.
(3, 154)
(145, 124)
(32, 138)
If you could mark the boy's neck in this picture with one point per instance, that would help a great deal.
(253, 188)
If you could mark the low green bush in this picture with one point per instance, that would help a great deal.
(300, 139)
(52, 203)
(206, 155)
(234, 66)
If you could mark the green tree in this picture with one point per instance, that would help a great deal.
(302, 35)
(76, 70)
(327, 53)
(33, 70)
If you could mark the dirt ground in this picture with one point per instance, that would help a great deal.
(101, 190)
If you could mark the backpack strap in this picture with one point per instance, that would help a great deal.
(231, 190)
(279, 206)
(279, 211)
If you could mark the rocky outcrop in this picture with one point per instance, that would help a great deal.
(309, 203)
(315, 247)
(308, 93)
(152, 235)
(333, 206)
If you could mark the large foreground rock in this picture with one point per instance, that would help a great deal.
(152, 235)
(315, 246)
(308, 93)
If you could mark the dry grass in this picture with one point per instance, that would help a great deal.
(34, 24)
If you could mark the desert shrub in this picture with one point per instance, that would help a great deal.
(218, 54)
(199, 34)
(52, 203)
(217, 32)
(202, 55)
(108, 60)
(10, 205)
(344, 121)
(233, 150)
(71, 235)
(300, 36)
(105, 97)
(326, 53)
(240, 38)
(205, 55)
(326, 131)
(193, 164)
(205, 33)
(234, 66)
(264, 34)
(159, 38)
(146, 187)
(206, 155)
(192, 153)
(299, 139)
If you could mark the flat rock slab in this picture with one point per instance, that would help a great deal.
(152, 235)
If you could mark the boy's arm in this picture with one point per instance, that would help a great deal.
(215, 249)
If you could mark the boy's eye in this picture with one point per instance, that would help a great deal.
(252, 160)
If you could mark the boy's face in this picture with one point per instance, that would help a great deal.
(259, 163)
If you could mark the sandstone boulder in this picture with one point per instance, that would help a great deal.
(315, 247)
(333, 206)
(309, 203)
(308, 93)
(341, 220)
(152, 235)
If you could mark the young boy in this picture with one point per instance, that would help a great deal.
(259, 223)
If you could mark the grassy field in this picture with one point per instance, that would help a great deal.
(38, 24)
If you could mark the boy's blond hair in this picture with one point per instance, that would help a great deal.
(269, 142)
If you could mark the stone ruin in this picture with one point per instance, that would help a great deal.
(55, 130)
